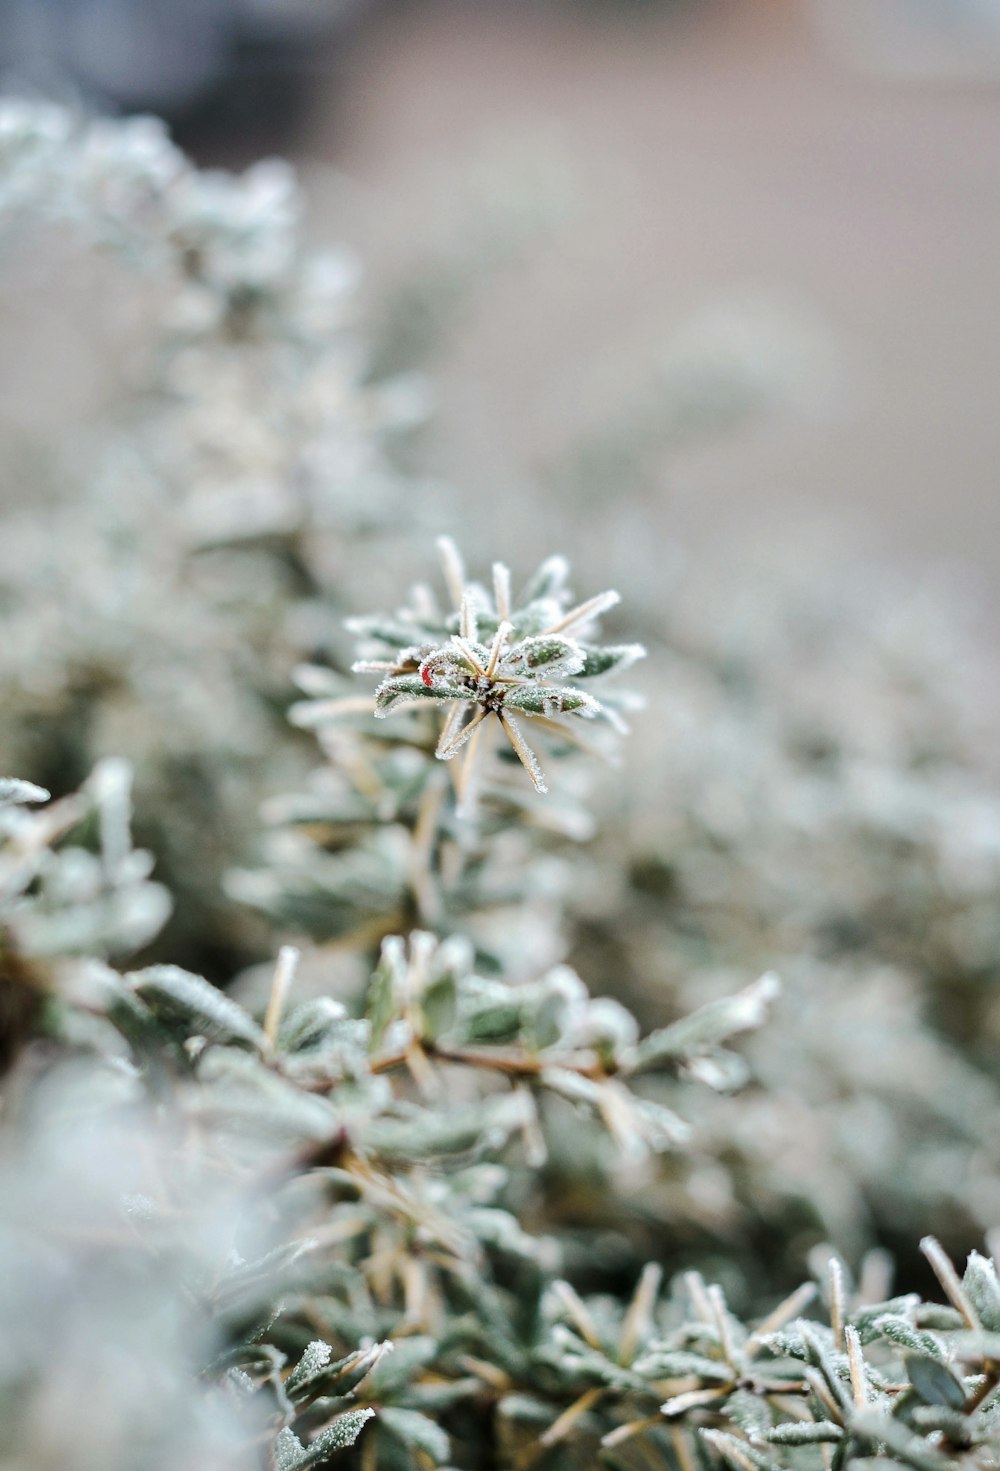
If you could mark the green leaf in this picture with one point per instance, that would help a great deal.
(309, 1025)
(416, 1432)
(600, 660)
(547, 652)
(288, 1450)
(737, 1452)
(337, 1437)
(904, 1446)
(487, 1125)
(314, 1360)
(898, 1330)
(392, 692)
(934, 1382)
(315, 1376)
(385, 986)
(674, 1363)
(17, 793)
(983, 1289)
(178, 996)
(550, 700)
(439, 1005)
(711, 1024)
(806, 1432)
(409, 1357)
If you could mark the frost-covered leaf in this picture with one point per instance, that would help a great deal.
(15, 793)
(934, 1382)
(339, 1436)
(549, 700)
(983, 1288)
(805, 1432)
(178, 996)
(711, 1024)
(674, 1363)
(601, 660)
(314, 1360)
(416, 1432)
(403, 687)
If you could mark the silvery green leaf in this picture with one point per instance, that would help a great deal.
(253, 1102)
(14, 792)
(708, 1026)
(177, 995)
(938, 1316)
(502, 1231)
(958, 1428)
(309, 1025)
(721, 1070)
(899, 1330)
(549, 700)
(675, 1363)
(315, 1358)
(402, 687)
(911, 1449)
(556, 657)
(832, 1364)
(287, 1451)
(608, 1026)
(736, 1451)
(492, 1020)
(337, 1437)
(934, 1382)
(386, 988)
(416, 1432)
(393, 1372)
(904, 1307)
(486, 1125)
(601, 660)
(525, 1407)
(974, 1347)
(750, 1412)
(319, 1377)
(439, 1005)
(805, 1432)
(983, 1289)
(574, 1086)
(660, 1127)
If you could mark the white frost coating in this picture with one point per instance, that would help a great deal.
(14, 792)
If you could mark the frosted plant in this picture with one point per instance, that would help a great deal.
(302, 1244)
(386, 838)
(256, 1180)
(818, 770)
(313, 1225)
(498, 660)
(155, 608)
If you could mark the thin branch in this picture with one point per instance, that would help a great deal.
(945, 1272)
(284, 974)
(501, 590)
(523, 751)
(452, 568)
(585, 613)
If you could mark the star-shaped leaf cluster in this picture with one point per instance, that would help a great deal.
(487, 657)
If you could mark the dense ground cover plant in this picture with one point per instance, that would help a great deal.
(420, 1194)
(290, 1230)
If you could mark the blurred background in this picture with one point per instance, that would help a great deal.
(820, 177)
